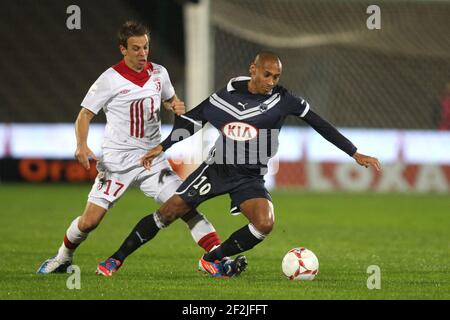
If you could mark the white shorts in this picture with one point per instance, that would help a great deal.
(160, 183)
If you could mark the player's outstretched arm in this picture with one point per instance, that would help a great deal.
(83, 152)
(330, 133)
(367, 161)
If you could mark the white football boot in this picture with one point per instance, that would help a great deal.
(53, 265)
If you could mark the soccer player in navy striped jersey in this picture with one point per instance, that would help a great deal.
(249, 113)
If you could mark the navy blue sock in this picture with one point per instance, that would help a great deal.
(240, 241)
(144, 231)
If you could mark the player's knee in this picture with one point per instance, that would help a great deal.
(173, 209)
(264, 224)
(263, 219)
(166, 215)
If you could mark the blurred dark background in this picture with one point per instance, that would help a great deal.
(47, 68)
(395, 77)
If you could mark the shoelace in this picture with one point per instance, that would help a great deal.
(111, 264)
(108, 264)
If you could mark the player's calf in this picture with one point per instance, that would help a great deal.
(87, 225)
(91, 218)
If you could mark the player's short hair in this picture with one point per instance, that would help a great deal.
(131, 29)
(266, 54)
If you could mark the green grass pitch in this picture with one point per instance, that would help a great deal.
(406, 235)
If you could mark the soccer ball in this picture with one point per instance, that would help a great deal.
(300, 264)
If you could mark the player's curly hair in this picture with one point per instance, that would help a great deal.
(131, 29)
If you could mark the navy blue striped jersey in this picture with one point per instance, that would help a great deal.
(250, 124)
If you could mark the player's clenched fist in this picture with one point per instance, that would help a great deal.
(178, 107)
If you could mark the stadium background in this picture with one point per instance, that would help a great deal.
(387, 89)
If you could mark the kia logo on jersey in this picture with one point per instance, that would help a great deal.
(239, 131)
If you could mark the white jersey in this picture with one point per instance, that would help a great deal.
(131, 102)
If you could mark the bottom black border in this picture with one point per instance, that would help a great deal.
(230, 309)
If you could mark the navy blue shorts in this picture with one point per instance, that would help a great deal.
(209, 181)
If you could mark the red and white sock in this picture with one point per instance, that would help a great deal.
(204, 233)
(72, 240)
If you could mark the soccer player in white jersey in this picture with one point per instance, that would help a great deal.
(130, 93)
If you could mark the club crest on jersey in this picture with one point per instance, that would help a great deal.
(239, 131)
(263, 107)
(157, 82)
